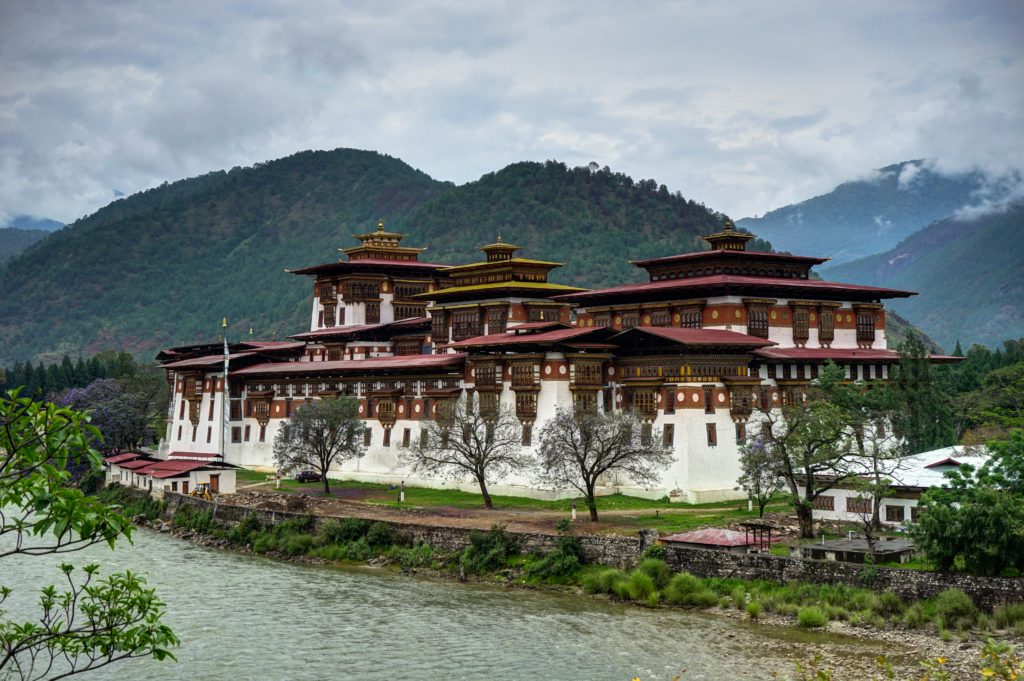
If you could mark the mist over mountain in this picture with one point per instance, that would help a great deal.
(873, 214)
(969, 273)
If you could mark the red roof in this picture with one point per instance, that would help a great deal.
(697, 255)
(366, 366)
(337, 331)
(193, 455)
(136, 464)
(171, 469)
(699, 336)
(536, 325)
(206, 361)
(824, 354)
(712, 537)
(512, 338)
(123, 456)
(733, 281)
(343, 265)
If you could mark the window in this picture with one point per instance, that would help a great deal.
(690, 318)
(741, 432)
(496, 319)
(466, 324)
(174, 486)
(824, 502)
(373, 313)
(367, 437)
(669, 400)
(406, 437)
(865, 326)
(526, 405)
(661, 318)
(858, 505)
(194, 430)
(801, 328)
(209, 434)
(584, 402)
(438, 327)
(712, 435)
(630, 319)
(757, 321)
(488, 404)
(826, 326)
(213, 400)
(248, 432)
(486, 375)
(235, 410)
(587, 373)
(914, 513)
(387, 437)
(709, 401)
(408, 311)
(263, 433)
(645, 434)
(645, 402)
(894, 514)
(181, 412)
(527, 434)
(668, 435)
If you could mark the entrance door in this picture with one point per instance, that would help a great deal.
(215, 484)
(184, 487)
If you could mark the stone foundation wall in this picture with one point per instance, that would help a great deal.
(624, 553)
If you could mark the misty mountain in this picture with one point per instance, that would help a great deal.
(29, 222)
(867, 216)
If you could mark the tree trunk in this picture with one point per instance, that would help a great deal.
(487, 496)
(805, 516)
(591, 502)
(327, 485)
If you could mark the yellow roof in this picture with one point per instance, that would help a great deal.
(534, 285)
(499, 263)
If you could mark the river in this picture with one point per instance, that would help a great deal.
(243, 617)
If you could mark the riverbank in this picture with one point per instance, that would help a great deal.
(493, 558)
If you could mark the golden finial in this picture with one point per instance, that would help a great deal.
(728, 225)
(224, 323)
(499, 238)
(380, 225)
(250, 332)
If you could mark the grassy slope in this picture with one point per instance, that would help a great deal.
(14, 241)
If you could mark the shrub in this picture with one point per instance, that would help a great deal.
(754, 609)
(684, 583)
(811, 616)
(359, 550)
(560, 564)
(247, 528)
(888, 604)
(916, 616)
(1008, 616)
(299, 525)
(263, 543)
(835, 612)
(641, 586)
(344, 531)
(685, 589)
(955, 610)
(489, 551)
(380, 535)
(602, 582)
(419, 555)
(739, 597)
(296, 544)
(655, 551)
(657, 570)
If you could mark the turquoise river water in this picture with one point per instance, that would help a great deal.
(243, 617)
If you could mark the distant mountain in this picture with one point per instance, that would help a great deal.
(13, 241)
(163, 266)
(29, 222)
(863, 217)
(970, 275)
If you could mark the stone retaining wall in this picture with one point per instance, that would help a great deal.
(624, 552)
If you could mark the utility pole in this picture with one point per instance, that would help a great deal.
(224, 396)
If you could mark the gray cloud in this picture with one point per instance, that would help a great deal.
(743, 106)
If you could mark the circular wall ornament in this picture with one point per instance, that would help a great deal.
(659, 398)
(812, 317)
(562, 370)
(849, 318)
(738, 314)
(695, 398)
(611, 371)
(721, 398)
(547, 370)
(774, 314)
(676, 317)
(775, 397)
(401, 409)
(360, 409)
(416, 408)
(680, 396)
(714, 314)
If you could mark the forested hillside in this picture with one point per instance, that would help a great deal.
(163, 266)
(863, 217)
(970, 274)
(593, 220)
(13, 241)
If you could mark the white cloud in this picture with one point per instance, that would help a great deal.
(743, 106)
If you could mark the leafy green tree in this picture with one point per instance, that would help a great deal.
(976, 522)
(760, 474)
(484, 446)
(92, 621)
(577, 448)
(923, 420)
(320, 434)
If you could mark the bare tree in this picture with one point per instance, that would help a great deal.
(760, 476)
(577, 448)
(320, 434)
(464, 441)
(810, 439)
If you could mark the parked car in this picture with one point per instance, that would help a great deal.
(307, 476)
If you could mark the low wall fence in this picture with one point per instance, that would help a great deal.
(624, 553)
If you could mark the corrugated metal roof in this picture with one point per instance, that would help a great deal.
(206, 361)
(123, 457)
(712, 536)
(512, 338)
(698, 336)
(739, 255)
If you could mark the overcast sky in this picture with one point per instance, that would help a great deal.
(745, 106)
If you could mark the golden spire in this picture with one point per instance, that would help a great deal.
(380, 225)
(224, 323)
(728, 225)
